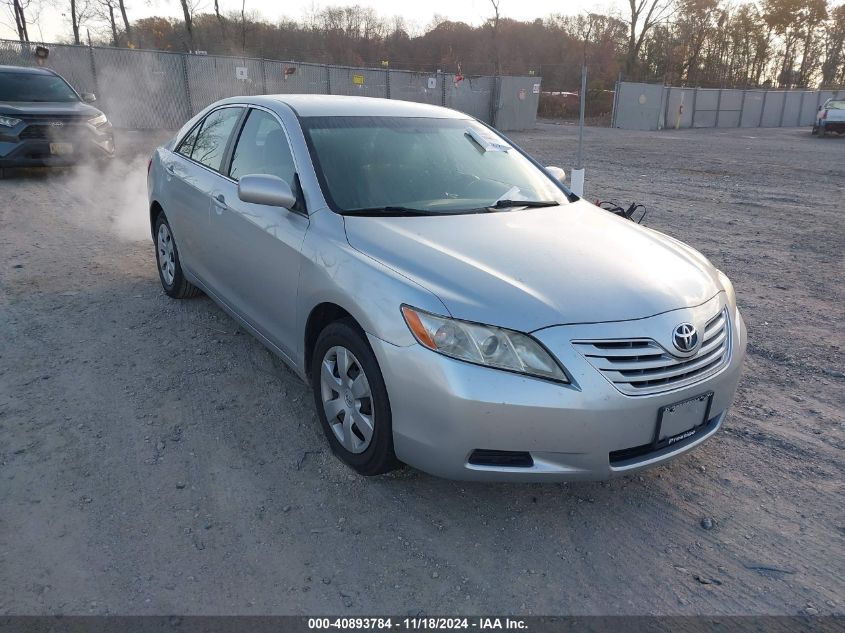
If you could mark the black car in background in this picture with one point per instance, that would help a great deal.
(43, 121)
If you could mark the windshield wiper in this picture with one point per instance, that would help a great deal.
(506, 204)
(390, 211)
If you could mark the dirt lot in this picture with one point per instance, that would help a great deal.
(156, 459)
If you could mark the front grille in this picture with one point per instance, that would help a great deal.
(50, 132)
(641, 366)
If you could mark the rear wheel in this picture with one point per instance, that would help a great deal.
(169, 268)
(351, 399)
(821, 131)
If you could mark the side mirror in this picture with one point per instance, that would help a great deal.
(557, 173)
(265, 189)
(89, 97)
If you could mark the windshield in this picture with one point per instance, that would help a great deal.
(34, 87)
(835, 105)
(402, 164)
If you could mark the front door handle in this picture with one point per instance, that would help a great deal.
(219, 203)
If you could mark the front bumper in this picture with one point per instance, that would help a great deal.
(444, 409)
(34, 143)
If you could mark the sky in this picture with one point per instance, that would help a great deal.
(53, 26)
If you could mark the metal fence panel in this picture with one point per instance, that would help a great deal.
(472, 95)
(142, 90)
(730, 108)
(419, 87)
(359, 82)
(153, 89)
(706, 106)
(714, 107)
(752, 108)
(679, 102)
(211, 78)
(809, 108)
(294, 78)
(772, 106)
(517, 99)
(792, 108)
(71, 62)
(639, 106)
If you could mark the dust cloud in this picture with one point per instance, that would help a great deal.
(111, 196)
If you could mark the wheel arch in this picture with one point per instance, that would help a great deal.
(319, 318)
(155, 210)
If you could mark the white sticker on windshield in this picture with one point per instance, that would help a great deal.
(488, 141)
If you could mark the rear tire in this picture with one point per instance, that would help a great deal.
(814, 131)
(167, 259)
(822, 131)
(351, 399)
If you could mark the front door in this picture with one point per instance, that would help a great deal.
(258, 248)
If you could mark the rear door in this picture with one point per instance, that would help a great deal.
(192, 172)
(257, 247)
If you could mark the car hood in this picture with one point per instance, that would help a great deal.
(39, 108)
(534, 268)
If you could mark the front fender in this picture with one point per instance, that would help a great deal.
(334, 272)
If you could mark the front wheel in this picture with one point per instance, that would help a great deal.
(351, 399)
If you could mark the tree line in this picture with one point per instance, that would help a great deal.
(709, 43)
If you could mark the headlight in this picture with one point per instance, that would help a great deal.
(483, 345)
(98, 120)
(7, 121)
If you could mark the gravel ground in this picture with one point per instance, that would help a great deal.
(156, 459)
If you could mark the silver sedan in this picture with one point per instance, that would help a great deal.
(452, 304)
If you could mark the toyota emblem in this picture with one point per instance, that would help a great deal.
(685, 337)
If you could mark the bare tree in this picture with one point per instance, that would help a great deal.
(18, 10)
(105, 11)
(243, 27)
(494, 24)
(80, 12)
(651, 12)
(220, 19)
(127, 28)
(188, 13)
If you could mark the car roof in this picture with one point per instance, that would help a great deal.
(26, 70)
(339, 105)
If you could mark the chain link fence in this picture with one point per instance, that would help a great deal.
(141, 89)
(643, 106)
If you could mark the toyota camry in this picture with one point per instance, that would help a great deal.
(451, 303)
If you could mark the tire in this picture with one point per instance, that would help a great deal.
(822, 131)
(814, 131)
(355, 415)
(167, 261)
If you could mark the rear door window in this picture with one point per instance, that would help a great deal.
(262, 149)
(187, 145)
(210, 144)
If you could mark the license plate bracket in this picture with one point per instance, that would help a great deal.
(681, 420)
(61, 149)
